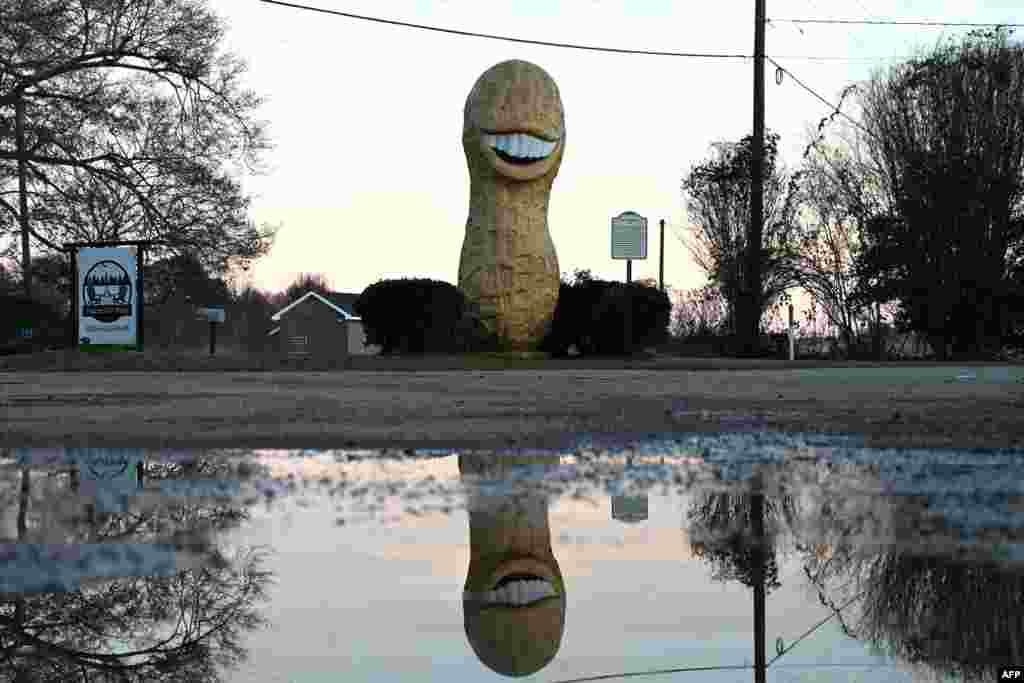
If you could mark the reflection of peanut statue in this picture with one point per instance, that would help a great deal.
(514, 604)
(514, 137)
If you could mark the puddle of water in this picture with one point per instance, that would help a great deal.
(672, 556)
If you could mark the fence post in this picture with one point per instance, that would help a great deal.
(879, 346)
(792, 351)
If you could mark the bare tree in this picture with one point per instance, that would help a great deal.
(699, 312)
(178, 627)
(717, 194)
(306, 282)
(137, 126)
(839, 193)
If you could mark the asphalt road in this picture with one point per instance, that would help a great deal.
(942, 406)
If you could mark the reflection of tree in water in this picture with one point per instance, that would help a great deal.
(185, 627)
(952, 616)
(721, 533)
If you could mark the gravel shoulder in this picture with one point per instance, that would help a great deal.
(892, 406)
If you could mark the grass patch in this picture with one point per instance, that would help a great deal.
(108, 348)
(508, 355)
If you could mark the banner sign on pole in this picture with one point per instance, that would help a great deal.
(107, 306)
(629, 236)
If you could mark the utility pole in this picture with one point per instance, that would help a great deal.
(748, 333)
(760, 557)
(19, 134)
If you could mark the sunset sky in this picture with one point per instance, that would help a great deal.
(368, 179)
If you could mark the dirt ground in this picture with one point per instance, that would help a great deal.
(404, 405)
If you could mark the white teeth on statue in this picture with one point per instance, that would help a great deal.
(516, 593)
(520, 145)
(533, 148)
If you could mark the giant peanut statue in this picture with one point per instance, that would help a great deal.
(514, 136)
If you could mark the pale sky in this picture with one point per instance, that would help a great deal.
(368, 178)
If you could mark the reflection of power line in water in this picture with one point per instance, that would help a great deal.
(602, 677)
(728, 667)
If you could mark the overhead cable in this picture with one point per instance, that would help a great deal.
(828, 104)
(595, 48)
(891, 22)
(506, 38)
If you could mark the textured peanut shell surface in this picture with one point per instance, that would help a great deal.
(508, 265)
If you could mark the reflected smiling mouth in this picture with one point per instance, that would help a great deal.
(517, 590)
(519, 148)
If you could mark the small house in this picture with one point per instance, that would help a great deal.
(320, 327)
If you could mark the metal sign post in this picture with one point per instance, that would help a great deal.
(661, 258)
(215, 314)
(629, 241)
(792, 353)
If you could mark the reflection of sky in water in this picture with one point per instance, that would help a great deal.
(379, 602)
(370, 555)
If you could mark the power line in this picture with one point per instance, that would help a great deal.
(888, 22)
(810, 90)
(826, 58)
(658, 672)
(506, 38)
(580, 47)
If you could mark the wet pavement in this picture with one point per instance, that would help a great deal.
(744, 556)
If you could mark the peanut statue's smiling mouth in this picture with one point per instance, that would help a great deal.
(518, 148)
(515, 590)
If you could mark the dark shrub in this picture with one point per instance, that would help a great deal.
(470, 334)
(611, 319)
(572, 323)
(49, 329)
(411, 315)
(651, 313)
(629, 318)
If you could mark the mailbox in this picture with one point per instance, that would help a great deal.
(213, 314)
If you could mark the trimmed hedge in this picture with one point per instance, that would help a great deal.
(414, 315)
(595, 315)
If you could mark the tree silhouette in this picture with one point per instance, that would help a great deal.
(134, 115)
(717, 193)
(305, 282)
(946, 132)
(721, 532)
(183, 627)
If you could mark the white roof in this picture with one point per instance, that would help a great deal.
(341, 311)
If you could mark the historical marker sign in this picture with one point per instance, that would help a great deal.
(629, 236)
